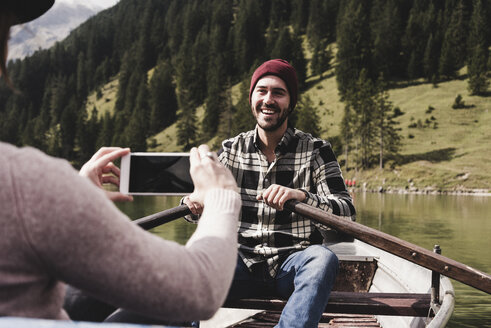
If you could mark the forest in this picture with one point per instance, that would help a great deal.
(172, 56)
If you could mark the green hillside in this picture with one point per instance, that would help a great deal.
(452, 156)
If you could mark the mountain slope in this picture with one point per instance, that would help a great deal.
(451, 155)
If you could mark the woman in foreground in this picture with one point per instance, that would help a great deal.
(59, 227)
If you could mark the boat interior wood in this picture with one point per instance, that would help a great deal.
(415, 305)
(331, 320)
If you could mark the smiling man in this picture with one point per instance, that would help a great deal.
(281, 253)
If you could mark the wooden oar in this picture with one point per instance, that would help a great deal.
(396, 246)
(154, 220)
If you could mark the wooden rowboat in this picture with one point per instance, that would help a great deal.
(373, 289)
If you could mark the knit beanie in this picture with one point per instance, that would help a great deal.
(26, 10)
(283, 70)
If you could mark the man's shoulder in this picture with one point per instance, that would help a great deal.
(241, 139)
(307, 138)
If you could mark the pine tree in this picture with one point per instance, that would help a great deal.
(430, 59)
(321, 59)
(137, 129)
(307, 117)
(163, 99)
(217, 100)
(353, 45)
(361, 100)
(243, 119)
(389, 139)
(414, 39)
(248, 34)
(68, 128)
(107, 131)
(454, 45)
(348, 127)
(186, 120)
(386, 32)
(289, 47)
(299, 15)
(225, 125)
(478, 51)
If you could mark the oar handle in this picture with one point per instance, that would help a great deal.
(154, 220)
(396, 246)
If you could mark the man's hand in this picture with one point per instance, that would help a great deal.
(195, 207)
(276, 196)
(207, 173)
(101, 170)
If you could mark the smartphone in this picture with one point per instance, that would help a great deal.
(155, 174)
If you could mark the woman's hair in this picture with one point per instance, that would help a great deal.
(7, 19)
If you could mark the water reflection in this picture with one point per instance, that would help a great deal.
(461, 225)
(178, 230)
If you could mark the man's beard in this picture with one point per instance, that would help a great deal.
(279, 122)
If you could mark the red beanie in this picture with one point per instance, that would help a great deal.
(283, 70)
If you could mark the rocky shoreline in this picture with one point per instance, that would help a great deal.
(422, 191)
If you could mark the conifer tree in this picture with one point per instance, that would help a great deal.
(217, 100)
(353, 44)
(137, 129)
(307, 117)
(289, 47)
(163, 100)
(68, 127)
(348, 127)
(430, 59)
(389, 139)
(321, 59)
(243, 119)
(361, 100)
(478, 51)
(299, 15)
(225, 125)
(107, 131)
(186, 120)
(454, 45)
(386, 32)
(248, 34)
(81, 77)
(87, 133)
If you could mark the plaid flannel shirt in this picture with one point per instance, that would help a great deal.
(302, 162)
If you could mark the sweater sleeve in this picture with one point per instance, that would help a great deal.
(81, 238)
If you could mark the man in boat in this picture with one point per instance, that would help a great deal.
(281, 253)
(58, 227)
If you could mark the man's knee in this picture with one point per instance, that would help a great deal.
(322, 261)
(322, 255)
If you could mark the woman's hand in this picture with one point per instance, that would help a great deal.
(101, 170)
(207, 173)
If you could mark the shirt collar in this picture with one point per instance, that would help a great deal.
(284, 142)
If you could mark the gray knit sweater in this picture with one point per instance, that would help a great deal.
(57, 227)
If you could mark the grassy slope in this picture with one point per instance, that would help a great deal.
(453, 156)
(108, 100)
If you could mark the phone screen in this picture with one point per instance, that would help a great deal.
(159, 174)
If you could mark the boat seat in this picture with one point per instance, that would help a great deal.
(407, 304)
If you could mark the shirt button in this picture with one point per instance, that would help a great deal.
(266, 180)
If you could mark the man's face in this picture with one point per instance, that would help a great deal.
(270, 103)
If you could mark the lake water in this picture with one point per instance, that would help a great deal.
(461, 225)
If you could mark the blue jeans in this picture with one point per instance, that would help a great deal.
(305, 278)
